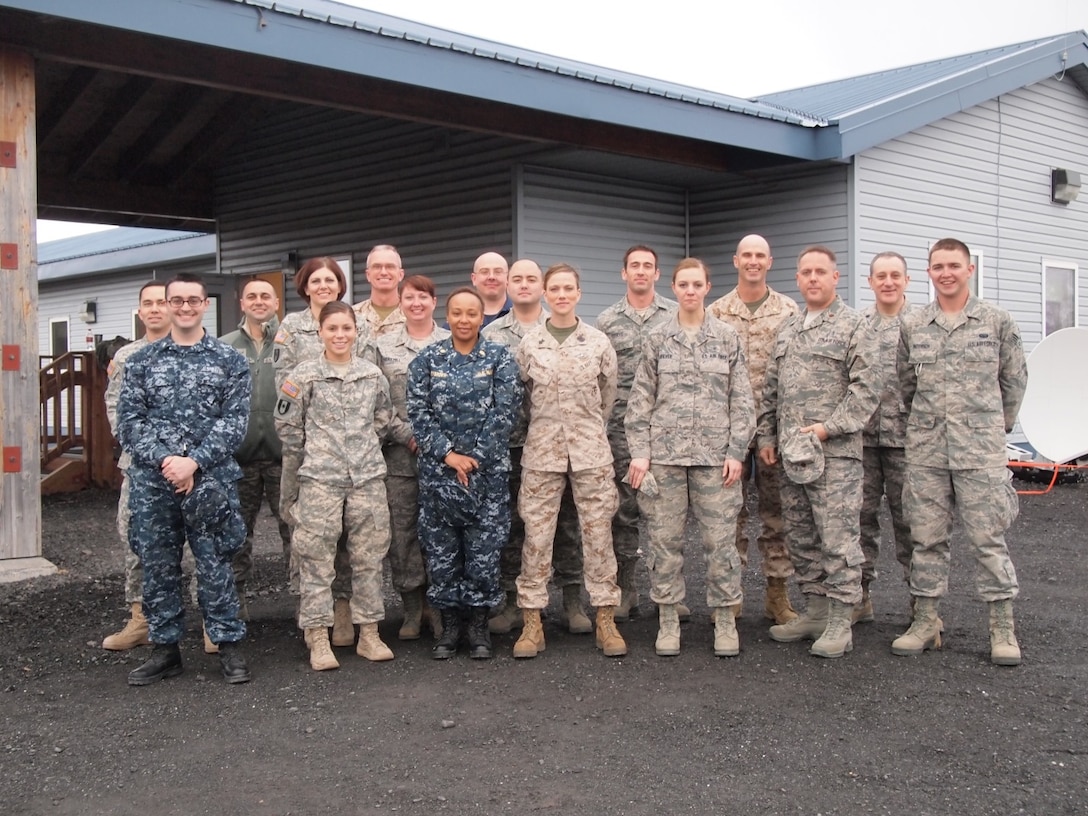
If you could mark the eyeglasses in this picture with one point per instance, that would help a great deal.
(192, 302)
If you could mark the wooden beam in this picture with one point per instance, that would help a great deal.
(20, 500)
(134, 159)
(123, 100)
(193, 201)
(79, 79)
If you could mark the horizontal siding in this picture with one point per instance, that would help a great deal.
(792, 209)
(590, 221)
(984, 176)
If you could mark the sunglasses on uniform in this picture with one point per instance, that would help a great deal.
(191, 302)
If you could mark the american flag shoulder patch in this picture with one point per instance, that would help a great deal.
(111, 369)
(290, 389)
(281, 336)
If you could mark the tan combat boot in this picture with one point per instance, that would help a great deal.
(608, 636)
(863, 612)
(736, 610)
(321, 656)
(433, 618)
(531, 641)
(726, 639)
(837, 639)
(370, 645)
(343, 631)
(625, 577)
(924, 632)
(668, 631)
(940, 623)
(776, 603)
(134, 633)
(683, 612)
(1004, 650)
(809, 624)
(209, 647)
(574, 616)
(509, 618)
(412, 625)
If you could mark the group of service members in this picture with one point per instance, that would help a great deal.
(521, 442)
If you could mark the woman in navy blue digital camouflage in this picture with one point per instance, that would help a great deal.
(464, 393)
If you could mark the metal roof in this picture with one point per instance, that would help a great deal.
(120, 249)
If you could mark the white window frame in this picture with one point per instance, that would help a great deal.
(68, 333)
(1068, 266)
(346, 268)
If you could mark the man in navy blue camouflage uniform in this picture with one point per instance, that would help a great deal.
(182, 413)
(464, 393)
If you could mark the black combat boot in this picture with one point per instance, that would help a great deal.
(479, 635)
(446, 646)
(165, 662)
(232, 664)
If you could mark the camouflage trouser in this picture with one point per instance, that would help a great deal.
(567, 549)
(715, 508)
(775, 556)
(405, 553)
(625, 539)
(261, 481)
(325, 514)
(463, 559)
(157, 532)
(823, 530)
(987, 504)
(885, 472)
(134, 573)
(595, 498)
(342, 582)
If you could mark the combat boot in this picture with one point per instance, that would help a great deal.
(863, 612)
(508, 618)
(668, 631)
(575, 618)
(479, 636)
(432, 617)
(209, 646)
(1004, 650)
(531, 641)
(231, 663)
(924, 633)
(446, 645)
(726, 639)
(412, 625)
(736, 610)
(809, 624)
(321, 656)
(370, 644)
(625, 577)
(343, 630)
(683, 613)
(134, 633)
(837, 639)
(608, 636)
(165, 662)
(776, 602)
(940, 623)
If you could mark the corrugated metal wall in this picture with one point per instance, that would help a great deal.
(792, 208)
(324, 182)
(984, 176)
(590, 221)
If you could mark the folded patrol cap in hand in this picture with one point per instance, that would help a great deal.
(802, 457)
(207, 508)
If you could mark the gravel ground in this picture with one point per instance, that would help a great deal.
(773, 731)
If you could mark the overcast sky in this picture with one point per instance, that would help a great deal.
(739, 48)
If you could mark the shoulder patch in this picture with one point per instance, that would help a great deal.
(283, 407)
(111, 369)
(281, 336)
(290, 389)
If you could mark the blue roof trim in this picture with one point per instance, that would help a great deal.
(120, 249)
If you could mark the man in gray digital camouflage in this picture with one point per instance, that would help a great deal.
(756, 312)
(883, 458)
(963, 374)
(817, 398)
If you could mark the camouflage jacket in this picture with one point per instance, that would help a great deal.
(821, 374)
(757, 330)
(571, 389)
(888, 426)
(464, 403)
(332, 425)
(261, 440)
(297, 340)
(691, 403)
(626, 331)
(371, 325)
(963, 378)
(185, 401)
(392, 353)
(509, 331)
(115, 373)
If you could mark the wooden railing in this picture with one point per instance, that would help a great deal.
(73, 419)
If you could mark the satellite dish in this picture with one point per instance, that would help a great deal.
(1054, 416)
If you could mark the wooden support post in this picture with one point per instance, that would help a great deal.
(20, 500)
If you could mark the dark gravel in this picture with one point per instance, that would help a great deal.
(773, 731)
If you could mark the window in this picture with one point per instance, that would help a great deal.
(1059, 296)
(345, 265)
(58, 336)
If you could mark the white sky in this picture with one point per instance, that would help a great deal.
(735, 47)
